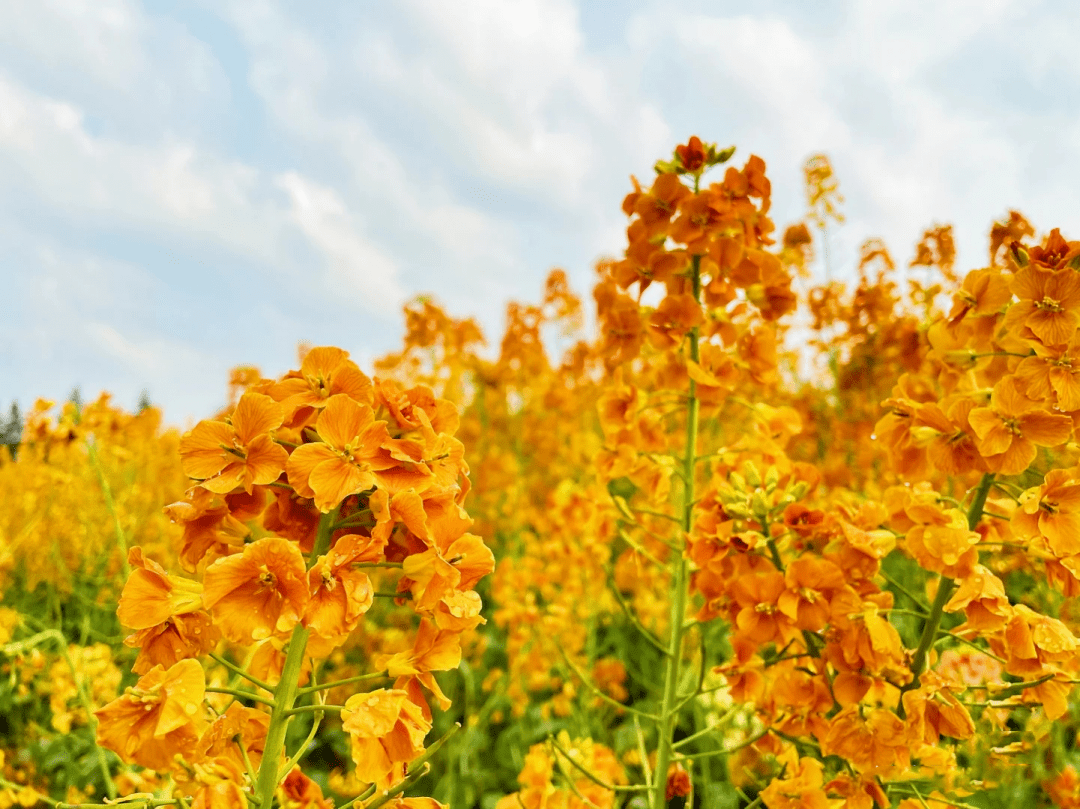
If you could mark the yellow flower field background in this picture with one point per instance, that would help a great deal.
(715, 534)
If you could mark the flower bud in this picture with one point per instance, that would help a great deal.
(750, 472)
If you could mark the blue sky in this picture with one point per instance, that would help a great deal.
(189, 186)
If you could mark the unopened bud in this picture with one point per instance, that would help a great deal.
(759, 504)
(729, 496)
(750, 472)
(738, 510)
(923, 435)
(961, 358)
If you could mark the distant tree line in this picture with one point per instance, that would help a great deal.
(11, 429)
(11, 426)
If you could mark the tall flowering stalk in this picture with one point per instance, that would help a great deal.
(852, 680)
(706, 248)
(312, 496)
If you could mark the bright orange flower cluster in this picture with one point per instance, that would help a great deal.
(307, 494)
(771, 542)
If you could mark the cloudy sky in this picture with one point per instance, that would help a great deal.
(189, 186)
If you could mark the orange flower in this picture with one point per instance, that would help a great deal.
(157, 718)
(744, 672)
(345, 461)
(940, 541)
(942, 427)
(213, 524)
(1054, 372)
(325, 372)
(895, 430)
(1052, 511)
(238, 451)
(671, 321)
(645, 262)
(759, 618)
(623, 329)
(237, 726)
(151, 596)
(1049, 304)
(340, 594)
(417, 407)
(1064, 788)
(860, 793)
(874, 741)
(298, 791)
(258, 593)
(221, 781)
(804, 700)
(184, 636)
(934, 711)
(404, 507)
(984, 293)
(692, 154)
(386, 730)
(659, 204)
(803, 790)
(433, 650)
(865, 642)
(1032, 641)
(1012, 426)
(982, 596)
(810, 581)
(456, 562)
(459, 611)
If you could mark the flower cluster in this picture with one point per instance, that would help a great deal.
(308, 495)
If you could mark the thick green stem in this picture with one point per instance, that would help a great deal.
(287, 687)
(944, 593)
(669, 713)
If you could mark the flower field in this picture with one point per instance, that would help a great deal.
(717, 535)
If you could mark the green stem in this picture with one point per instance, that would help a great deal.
(669, 714)
(944, 593)
(311, 689)
(302, 749)
(317, 709)
(286, 691)
(628, 611)
(110, 504)
(235, 692)
(239, 671)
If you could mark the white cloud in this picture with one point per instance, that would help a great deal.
(357, 268)
(47, 152)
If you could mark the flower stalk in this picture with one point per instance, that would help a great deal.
(288, 687)
(669, 707)
(944, 593)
